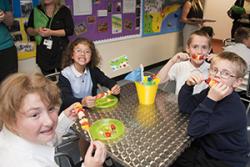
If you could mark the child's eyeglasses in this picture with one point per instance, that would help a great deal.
(80, 51)
(223, 74)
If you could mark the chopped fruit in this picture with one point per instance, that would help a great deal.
(85, 127)
(100, 95)
(77, 106)
(101, 133)
(84, 122)
(81, 114)
(109, 92)
(153, 76)
(113, 127)
(108, 134)
(198, 57)
(211, 82)
(106, 128)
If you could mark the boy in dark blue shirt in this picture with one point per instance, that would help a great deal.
(218, 120)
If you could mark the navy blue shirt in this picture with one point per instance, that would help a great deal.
(221, 127)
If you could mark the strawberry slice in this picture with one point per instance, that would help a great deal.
(113, 127)
(108, 134)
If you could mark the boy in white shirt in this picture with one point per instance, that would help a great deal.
(182, 65)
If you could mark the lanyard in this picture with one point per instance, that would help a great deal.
(51, 21)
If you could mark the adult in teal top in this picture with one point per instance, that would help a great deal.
(8, 52)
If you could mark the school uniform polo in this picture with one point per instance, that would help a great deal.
(182, 70)
(81, 83)
(16, 151)
(73, 88)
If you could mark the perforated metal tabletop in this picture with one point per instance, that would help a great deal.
(155, 135)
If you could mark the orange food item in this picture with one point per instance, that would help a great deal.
(198, 57)
(108, 134)
(77, 107)
(84, 122)
(100, 95)
(211, 82)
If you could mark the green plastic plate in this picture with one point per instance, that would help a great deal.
(107, 130)
(106, 102)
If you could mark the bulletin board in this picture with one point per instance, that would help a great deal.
(161, 16)
(106, 20)
(21, 10)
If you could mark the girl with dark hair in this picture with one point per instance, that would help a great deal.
(80, 75)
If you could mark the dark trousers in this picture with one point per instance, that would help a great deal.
(194, 156)
(8, 62)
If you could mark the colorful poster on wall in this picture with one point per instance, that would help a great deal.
(161, 16)
(21, 11)
(104, 20)
(119, 63)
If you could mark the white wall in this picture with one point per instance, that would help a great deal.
(217, 9)
(147, 50)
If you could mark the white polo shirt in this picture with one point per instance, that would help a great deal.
(81, 83)
(182, 70)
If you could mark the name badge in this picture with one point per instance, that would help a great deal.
(48, 43)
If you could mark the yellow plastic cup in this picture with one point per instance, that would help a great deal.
(146, 93)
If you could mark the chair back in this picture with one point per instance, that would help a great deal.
(228, 41)
(53, 76)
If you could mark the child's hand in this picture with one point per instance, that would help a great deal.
(210, 56)
(195, 78)
(181, 56)
(89, 101)
(219, 91)
(115, 89)
(70, 113)
(99, 156)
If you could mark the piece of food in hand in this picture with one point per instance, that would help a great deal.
(109, 92)
(198, 57)
(211, 82)
(77, 106)
(81, 114)
(100, 95)
(84, 122)
(103, 94)
(79, 110)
